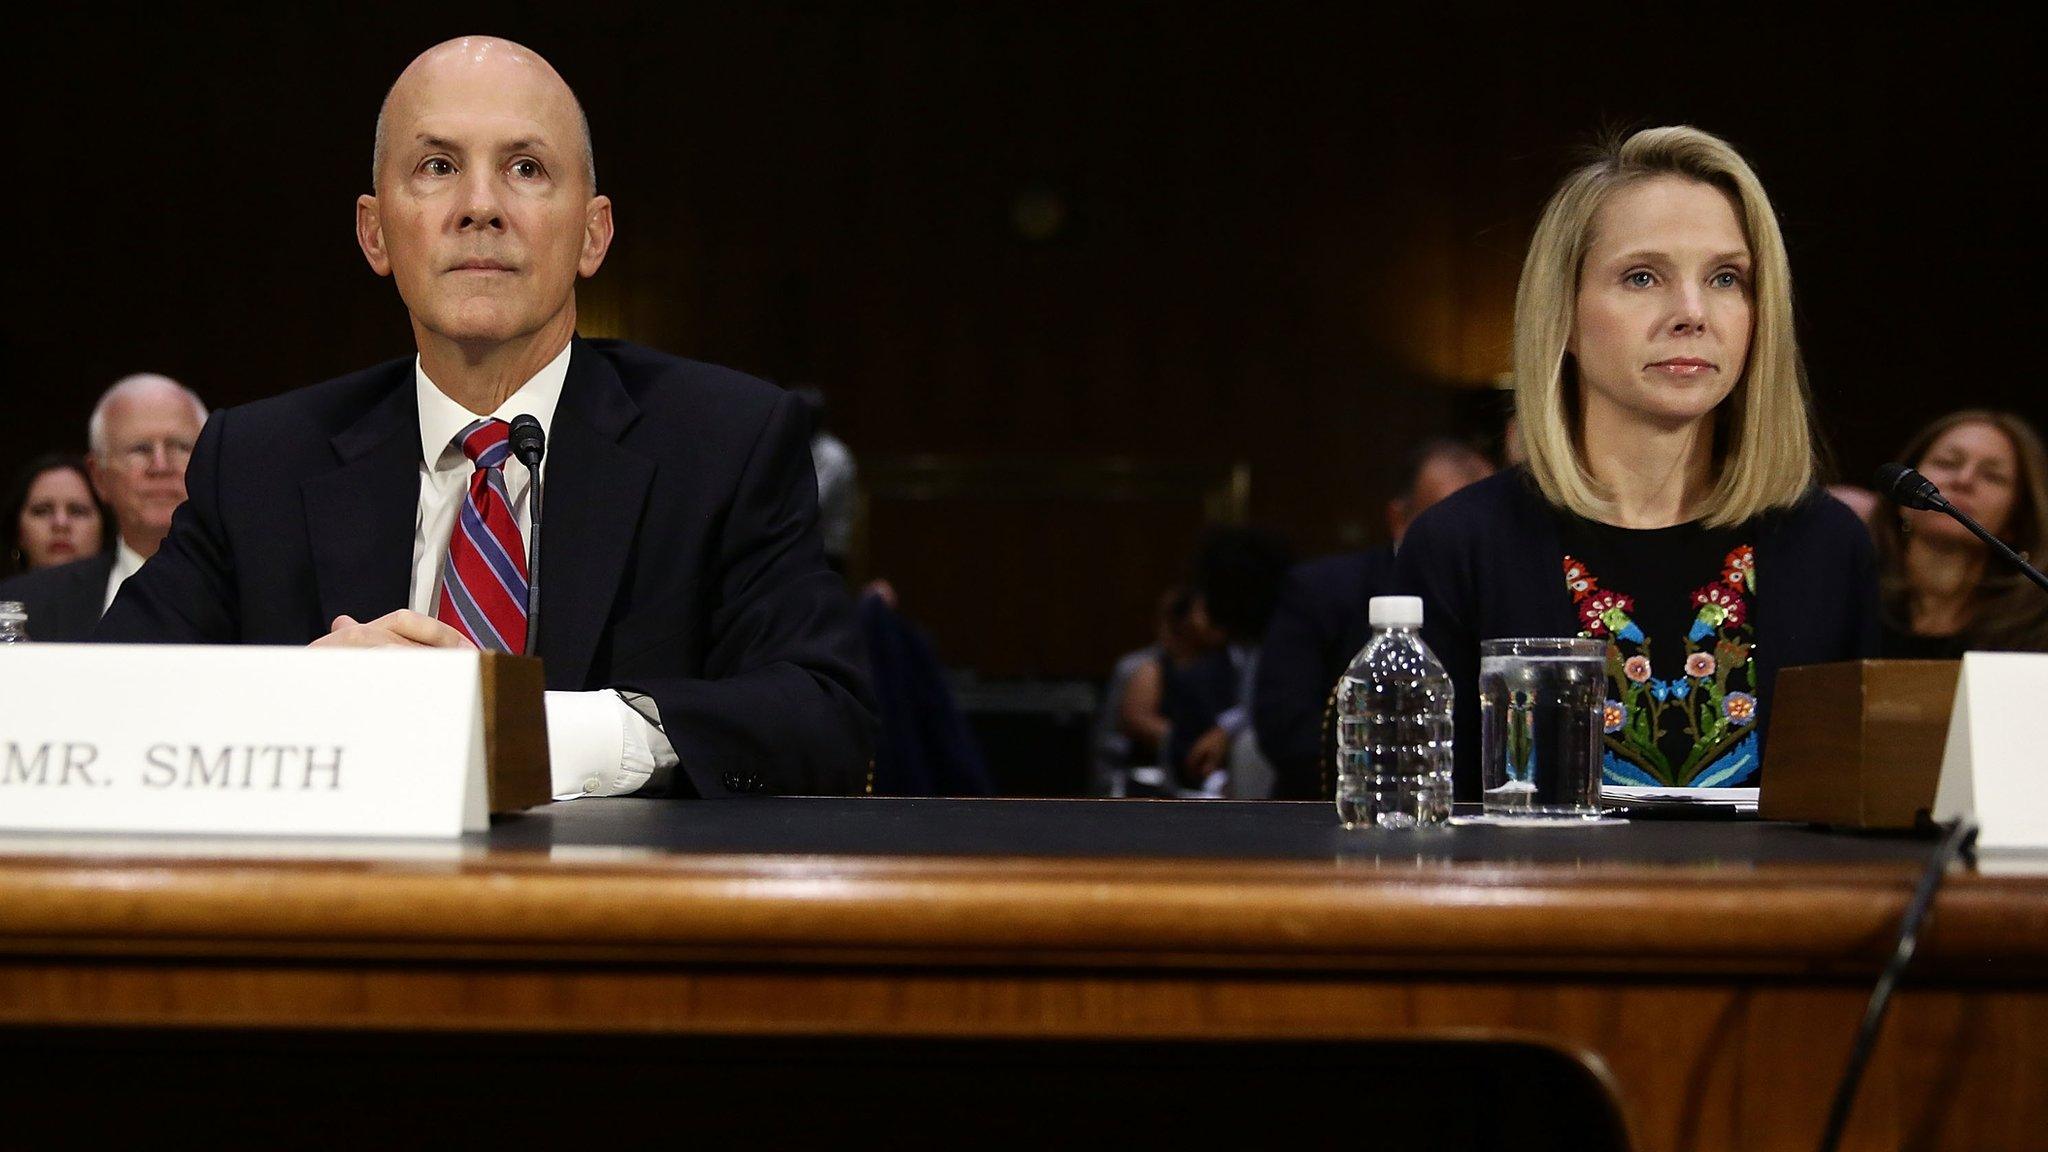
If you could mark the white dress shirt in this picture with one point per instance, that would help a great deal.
(598, 743)
(127, 562)
(833, 462)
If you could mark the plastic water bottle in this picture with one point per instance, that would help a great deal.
(1394, 726)
(13, 622)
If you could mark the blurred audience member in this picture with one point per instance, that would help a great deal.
(1943, 592)
(1512, 451)
(1207, 702)
(1320, 623)
(52, 517)
(924, 746)
(1862, 501)
(1131, 727)
(141, 433)
(832, 460)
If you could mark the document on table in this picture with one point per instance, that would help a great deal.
(1734, 799)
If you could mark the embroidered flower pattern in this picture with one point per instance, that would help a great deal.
(1578, 579)
(1713, 703)
(1740, 570)
(1739, 707)
(1602, 613)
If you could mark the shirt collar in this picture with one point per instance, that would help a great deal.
(441, 418)
(127, 561)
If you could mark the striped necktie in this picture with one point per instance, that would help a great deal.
(483, 581)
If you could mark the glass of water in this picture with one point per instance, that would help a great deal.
(1540, 703)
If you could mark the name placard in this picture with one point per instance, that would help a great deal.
(1994, 770)
(269, 741)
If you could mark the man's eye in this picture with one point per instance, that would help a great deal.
(526, 169)
(437, 166)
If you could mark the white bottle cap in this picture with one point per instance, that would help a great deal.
(1395, 611)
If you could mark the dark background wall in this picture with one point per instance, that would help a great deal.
(1284, 234)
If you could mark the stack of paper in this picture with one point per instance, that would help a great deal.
(1734, 799)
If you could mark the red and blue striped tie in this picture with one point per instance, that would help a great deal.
(483, 582)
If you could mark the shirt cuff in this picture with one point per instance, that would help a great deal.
(592, 750)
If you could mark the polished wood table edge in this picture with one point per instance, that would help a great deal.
(1807, 919)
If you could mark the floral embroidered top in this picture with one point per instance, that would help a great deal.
(1676, 607)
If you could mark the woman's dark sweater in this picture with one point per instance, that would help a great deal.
(1490, 562)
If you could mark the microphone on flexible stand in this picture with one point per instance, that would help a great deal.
(1909, 489)
(530, 444)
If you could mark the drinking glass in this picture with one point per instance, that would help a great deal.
(1540, 701)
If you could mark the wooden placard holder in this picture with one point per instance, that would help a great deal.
(515, 733)
(1857, 744)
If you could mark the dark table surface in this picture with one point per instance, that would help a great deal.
(1158, 829)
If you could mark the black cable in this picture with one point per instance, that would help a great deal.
(1960, 836)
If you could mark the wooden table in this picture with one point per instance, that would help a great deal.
(1711, 972)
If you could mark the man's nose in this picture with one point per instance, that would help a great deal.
(483, 209)
(159, 457)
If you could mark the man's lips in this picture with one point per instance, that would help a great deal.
(480, 266)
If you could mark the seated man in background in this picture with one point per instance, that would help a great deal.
(141, 435)
(694, 639)
(1207, 700)
(1320, 623)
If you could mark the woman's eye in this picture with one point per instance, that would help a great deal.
(1727, 279)
(1639, 278)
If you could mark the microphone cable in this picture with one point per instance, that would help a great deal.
(1959, 838)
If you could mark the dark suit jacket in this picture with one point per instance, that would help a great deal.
(1488, 563)
(680, 554)
(1319, 624)
(64, 601)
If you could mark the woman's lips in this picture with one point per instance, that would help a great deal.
(1683, 368)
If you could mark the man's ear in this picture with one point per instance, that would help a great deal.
(597, 236)
(96, 472)
(370, 235)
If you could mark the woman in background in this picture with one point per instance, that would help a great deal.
(52, 515)
(1943, 592)
(1668, 505)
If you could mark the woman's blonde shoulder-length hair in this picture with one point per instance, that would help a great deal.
(1764, 454)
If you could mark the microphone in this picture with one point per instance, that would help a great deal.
(529, 442)
(1909, 489)
(530, 445)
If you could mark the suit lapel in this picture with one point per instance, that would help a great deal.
(86, 600)
(361, 515)
(591, 505)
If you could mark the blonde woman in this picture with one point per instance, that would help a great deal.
(1668, 505)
